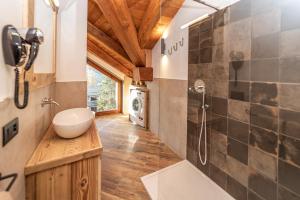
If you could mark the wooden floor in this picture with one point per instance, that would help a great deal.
(129, 152)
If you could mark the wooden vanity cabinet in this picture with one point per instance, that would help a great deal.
(65, 169)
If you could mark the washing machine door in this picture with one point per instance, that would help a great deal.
(137, 105)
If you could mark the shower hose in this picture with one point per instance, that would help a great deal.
(203, 130)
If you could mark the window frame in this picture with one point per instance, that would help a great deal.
(120, 88)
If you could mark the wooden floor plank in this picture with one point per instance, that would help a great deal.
(129, 152)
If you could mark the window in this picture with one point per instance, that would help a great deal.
(104, 91)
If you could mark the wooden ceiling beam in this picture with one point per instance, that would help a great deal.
(110, 46)
(118, 15)
(158, 16)
(94, 49)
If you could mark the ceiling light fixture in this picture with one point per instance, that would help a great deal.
(194, 21)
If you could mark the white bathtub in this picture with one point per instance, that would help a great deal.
(182, 181)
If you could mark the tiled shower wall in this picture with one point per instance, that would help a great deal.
(249, 57)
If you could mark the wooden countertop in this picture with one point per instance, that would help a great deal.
(54, 151)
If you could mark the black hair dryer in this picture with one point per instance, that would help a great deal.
(15, 54)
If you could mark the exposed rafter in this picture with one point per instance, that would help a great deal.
(118, 15)
(94, 49)
(156, 19)
(108, 45)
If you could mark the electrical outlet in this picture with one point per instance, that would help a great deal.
(10, 130)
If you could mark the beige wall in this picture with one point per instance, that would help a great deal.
(33, 122)
(154, 105)
(70, 95)
(126, 94)
(173, 114)
(168, 113)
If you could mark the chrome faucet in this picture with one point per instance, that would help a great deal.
(48, 101)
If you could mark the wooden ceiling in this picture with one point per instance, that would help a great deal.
(120, 31)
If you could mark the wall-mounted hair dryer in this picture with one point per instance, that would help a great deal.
(15, 54)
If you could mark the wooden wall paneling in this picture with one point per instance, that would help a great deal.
(118, 15)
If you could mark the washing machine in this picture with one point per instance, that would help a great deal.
(138, 108)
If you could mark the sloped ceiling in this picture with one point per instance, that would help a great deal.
(120, 31)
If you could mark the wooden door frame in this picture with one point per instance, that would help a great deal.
(120, 88)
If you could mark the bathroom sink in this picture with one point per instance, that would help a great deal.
(73, 122)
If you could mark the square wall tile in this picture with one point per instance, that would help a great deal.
(262, 185)
(219, 106)
(289, 176)
(205, 55)
(263, 162)
(266, 23)
(290, 18)
(239, 70)
(219, 159)
(290, 43)
(218, 142)
(219, 124)
(253, 196)
(220, 88)
(218, 36)
(239, 110)
(284, 194)
(264, 116)
(264, 139)
(221, 18)
(289, 96)
(239, 30)
(289, 123)
(221, 72)
(193, 56)
(237, 150)
(264, 93)
(240, 10)
(289, 150)
(238, 47)
(205, 39)
(235, 189)
(265, 46)
(239, 90)
(238, 130)
(218, 176)
(194, 38)
(265, 70)
(218, 54)
(235, 167)
(262, 6)
(289, 70)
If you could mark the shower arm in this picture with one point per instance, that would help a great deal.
(206, 4)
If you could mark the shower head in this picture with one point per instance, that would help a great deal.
(199, 86)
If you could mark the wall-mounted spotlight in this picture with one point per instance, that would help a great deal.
(163, 46)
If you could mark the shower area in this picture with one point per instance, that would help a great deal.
(248, 57)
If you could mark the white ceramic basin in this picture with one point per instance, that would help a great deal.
(73, 122)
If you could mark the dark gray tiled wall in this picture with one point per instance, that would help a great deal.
(249, 57)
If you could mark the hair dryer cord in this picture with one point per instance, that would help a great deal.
(26, 91)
